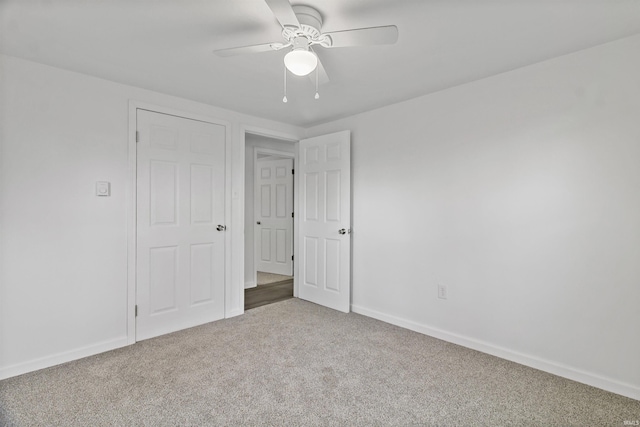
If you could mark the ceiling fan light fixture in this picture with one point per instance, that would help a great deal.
(301, 61)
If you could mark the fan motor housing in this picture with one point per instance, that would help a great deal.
(310, 24)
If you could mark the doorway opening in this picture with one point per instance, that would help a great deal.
(269, 219)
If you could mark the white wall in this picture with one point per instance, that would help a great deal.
(253, 141)
(63, 264)
(521, 193)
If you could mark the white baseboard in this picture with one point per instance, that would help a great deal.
(248, 285)
(551, 367)
(57, 359)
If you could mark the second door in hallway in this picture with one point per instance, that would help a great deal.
(274, 216)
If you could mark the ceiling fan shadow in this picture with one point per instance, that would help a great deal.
(375, 6)
(233, 30)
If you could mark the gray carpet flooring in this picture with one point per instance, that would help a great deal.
(296, 363)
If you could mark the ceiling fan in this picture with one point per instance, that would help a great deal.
(301, 30)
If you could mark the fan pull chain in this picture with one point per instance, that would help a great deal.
(317, 94)
(284, 99)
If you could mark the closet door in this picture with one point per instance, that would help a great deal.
(180, 223)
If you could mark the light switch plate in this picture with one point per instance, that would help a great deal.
(103, 188)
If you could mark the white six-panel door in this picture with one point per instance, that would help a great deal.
(274, 221)
(325, 220)
(180, 203)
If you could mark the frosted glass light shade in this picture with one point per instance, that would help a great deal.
(300, 62)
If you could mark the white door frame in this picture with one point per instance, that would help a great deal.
(285, 137)
(257, 151)
(131, 197)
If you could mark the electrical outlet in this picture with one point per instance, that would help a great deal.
(442, 291)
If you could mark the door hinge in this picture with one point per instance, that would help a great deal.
(293, 171)
(291, 214)
(291, 257)
(136, 310)
(137, 136)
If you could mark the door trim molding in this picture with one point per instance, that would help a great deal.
(131, 197)
(286, 137)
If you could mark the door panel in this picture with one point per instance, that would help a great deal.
(202, 268)
(311, 196)
(281, 201)
(326, 209)
(202, 194)
(163, 193)
(332, 249)
(180, 201)
(310, 267)
(162, 279)
(274, 208)
(265, 245)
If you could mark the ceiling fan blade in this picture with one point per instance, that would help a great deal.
(284, 13)
(323, 78)
(364, 36)
(243, 50)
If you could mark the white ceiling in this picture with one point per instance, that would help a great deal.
(166, 45)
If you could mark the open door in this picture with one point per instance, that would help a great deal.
(324, 243)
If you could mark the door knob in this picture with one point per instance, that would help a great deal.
(342, 231)
(258, 223)
(221, 227)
